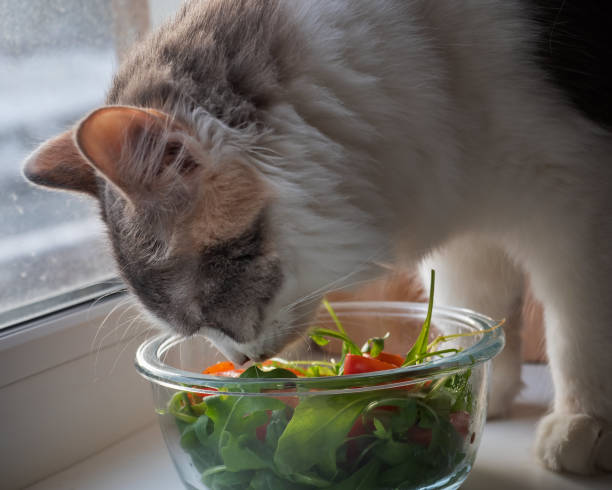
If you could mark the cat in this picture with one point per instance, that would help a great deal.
(255, 154)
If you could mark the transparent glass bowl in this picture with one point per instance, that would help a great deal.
(410, 427)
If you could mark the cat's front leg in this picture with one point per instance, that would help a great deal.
(577, 435)
(474, 273)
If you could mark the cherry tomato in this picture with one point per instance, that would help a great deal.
(262, 430)
(195, 398)
(388, 357)
(355, 364)
(419, 435)
(461, 422)
(354, 447)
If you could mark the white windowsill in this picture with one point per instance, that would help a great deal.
(68, 389)
(504, 460)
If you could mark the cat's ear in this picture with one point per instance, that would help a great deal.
(58, 164)
(131, 147)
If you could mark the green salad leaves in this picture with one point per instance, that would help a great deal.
(398, 437)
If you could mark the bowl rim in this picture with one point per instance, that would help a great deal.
(149, 362)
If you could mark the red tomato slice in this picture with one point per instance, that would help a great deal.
(196, 398)
(388, 357)
(461, 422)
(262, 430)
(419, 435)
(356, 364)
(354, 447)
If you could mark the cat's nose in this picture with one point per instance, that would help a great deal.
(238, 358)
(260, 357)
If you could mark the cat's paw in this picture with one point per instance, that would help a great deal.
(576, 443)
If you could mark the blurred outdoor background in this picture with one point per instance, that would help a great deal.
(57, 58)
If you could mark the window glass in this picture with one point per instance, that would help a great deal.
(56, 59)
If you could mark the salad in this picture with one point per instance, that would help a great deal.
(397, 437)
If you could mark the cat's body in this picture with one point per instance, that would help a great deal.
(296, 144)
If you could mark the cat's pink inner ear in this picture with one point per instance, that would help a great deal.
(110, 136)
(57, 163)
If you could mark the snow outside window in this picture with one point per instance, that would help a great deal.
(56, 62)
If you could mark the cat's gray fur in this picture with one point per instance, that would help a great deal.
(320, 137)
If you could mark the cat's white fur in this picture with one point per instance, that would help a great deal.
(438, 140)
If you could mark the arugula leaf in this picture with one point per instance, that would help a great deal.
(419, 349)
(319, 339)
(237, 456)
(203, 457)
(237, 415)
(202, 429)
(268, 480)
(319, 426)
(188, 439)
(249, 412)
(410, 472)
(220, 478)
(394, 453)
(276, 426)
(363, 479)
(459, 384)
(310, 479)
(319, 333)
(332, 313)
(380, 431)
(218, 409)
(255, 372)
(181, 409)
(405, 419)
(375, 345)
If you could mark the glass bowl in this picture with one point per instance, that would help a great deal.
(411, 427)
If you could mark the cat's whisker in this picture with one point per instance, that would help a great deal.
(104, 296)
(129, 327)
(319, 292)
(119, 323)
(123, 349)
(348, 285)
(118, 326)
(335, 284)
(102, 324)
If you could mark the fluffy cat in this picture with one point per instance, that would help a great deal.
(255, 154)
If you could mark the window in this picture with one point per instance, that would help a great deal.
(57, 58)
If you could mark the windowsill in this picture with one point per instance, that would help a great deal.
(504, 460)
(69, 388)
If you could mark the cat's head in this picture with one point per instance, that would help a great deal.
(206, 238)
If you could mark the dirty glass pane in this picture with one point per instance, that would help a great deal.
(56, 61)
